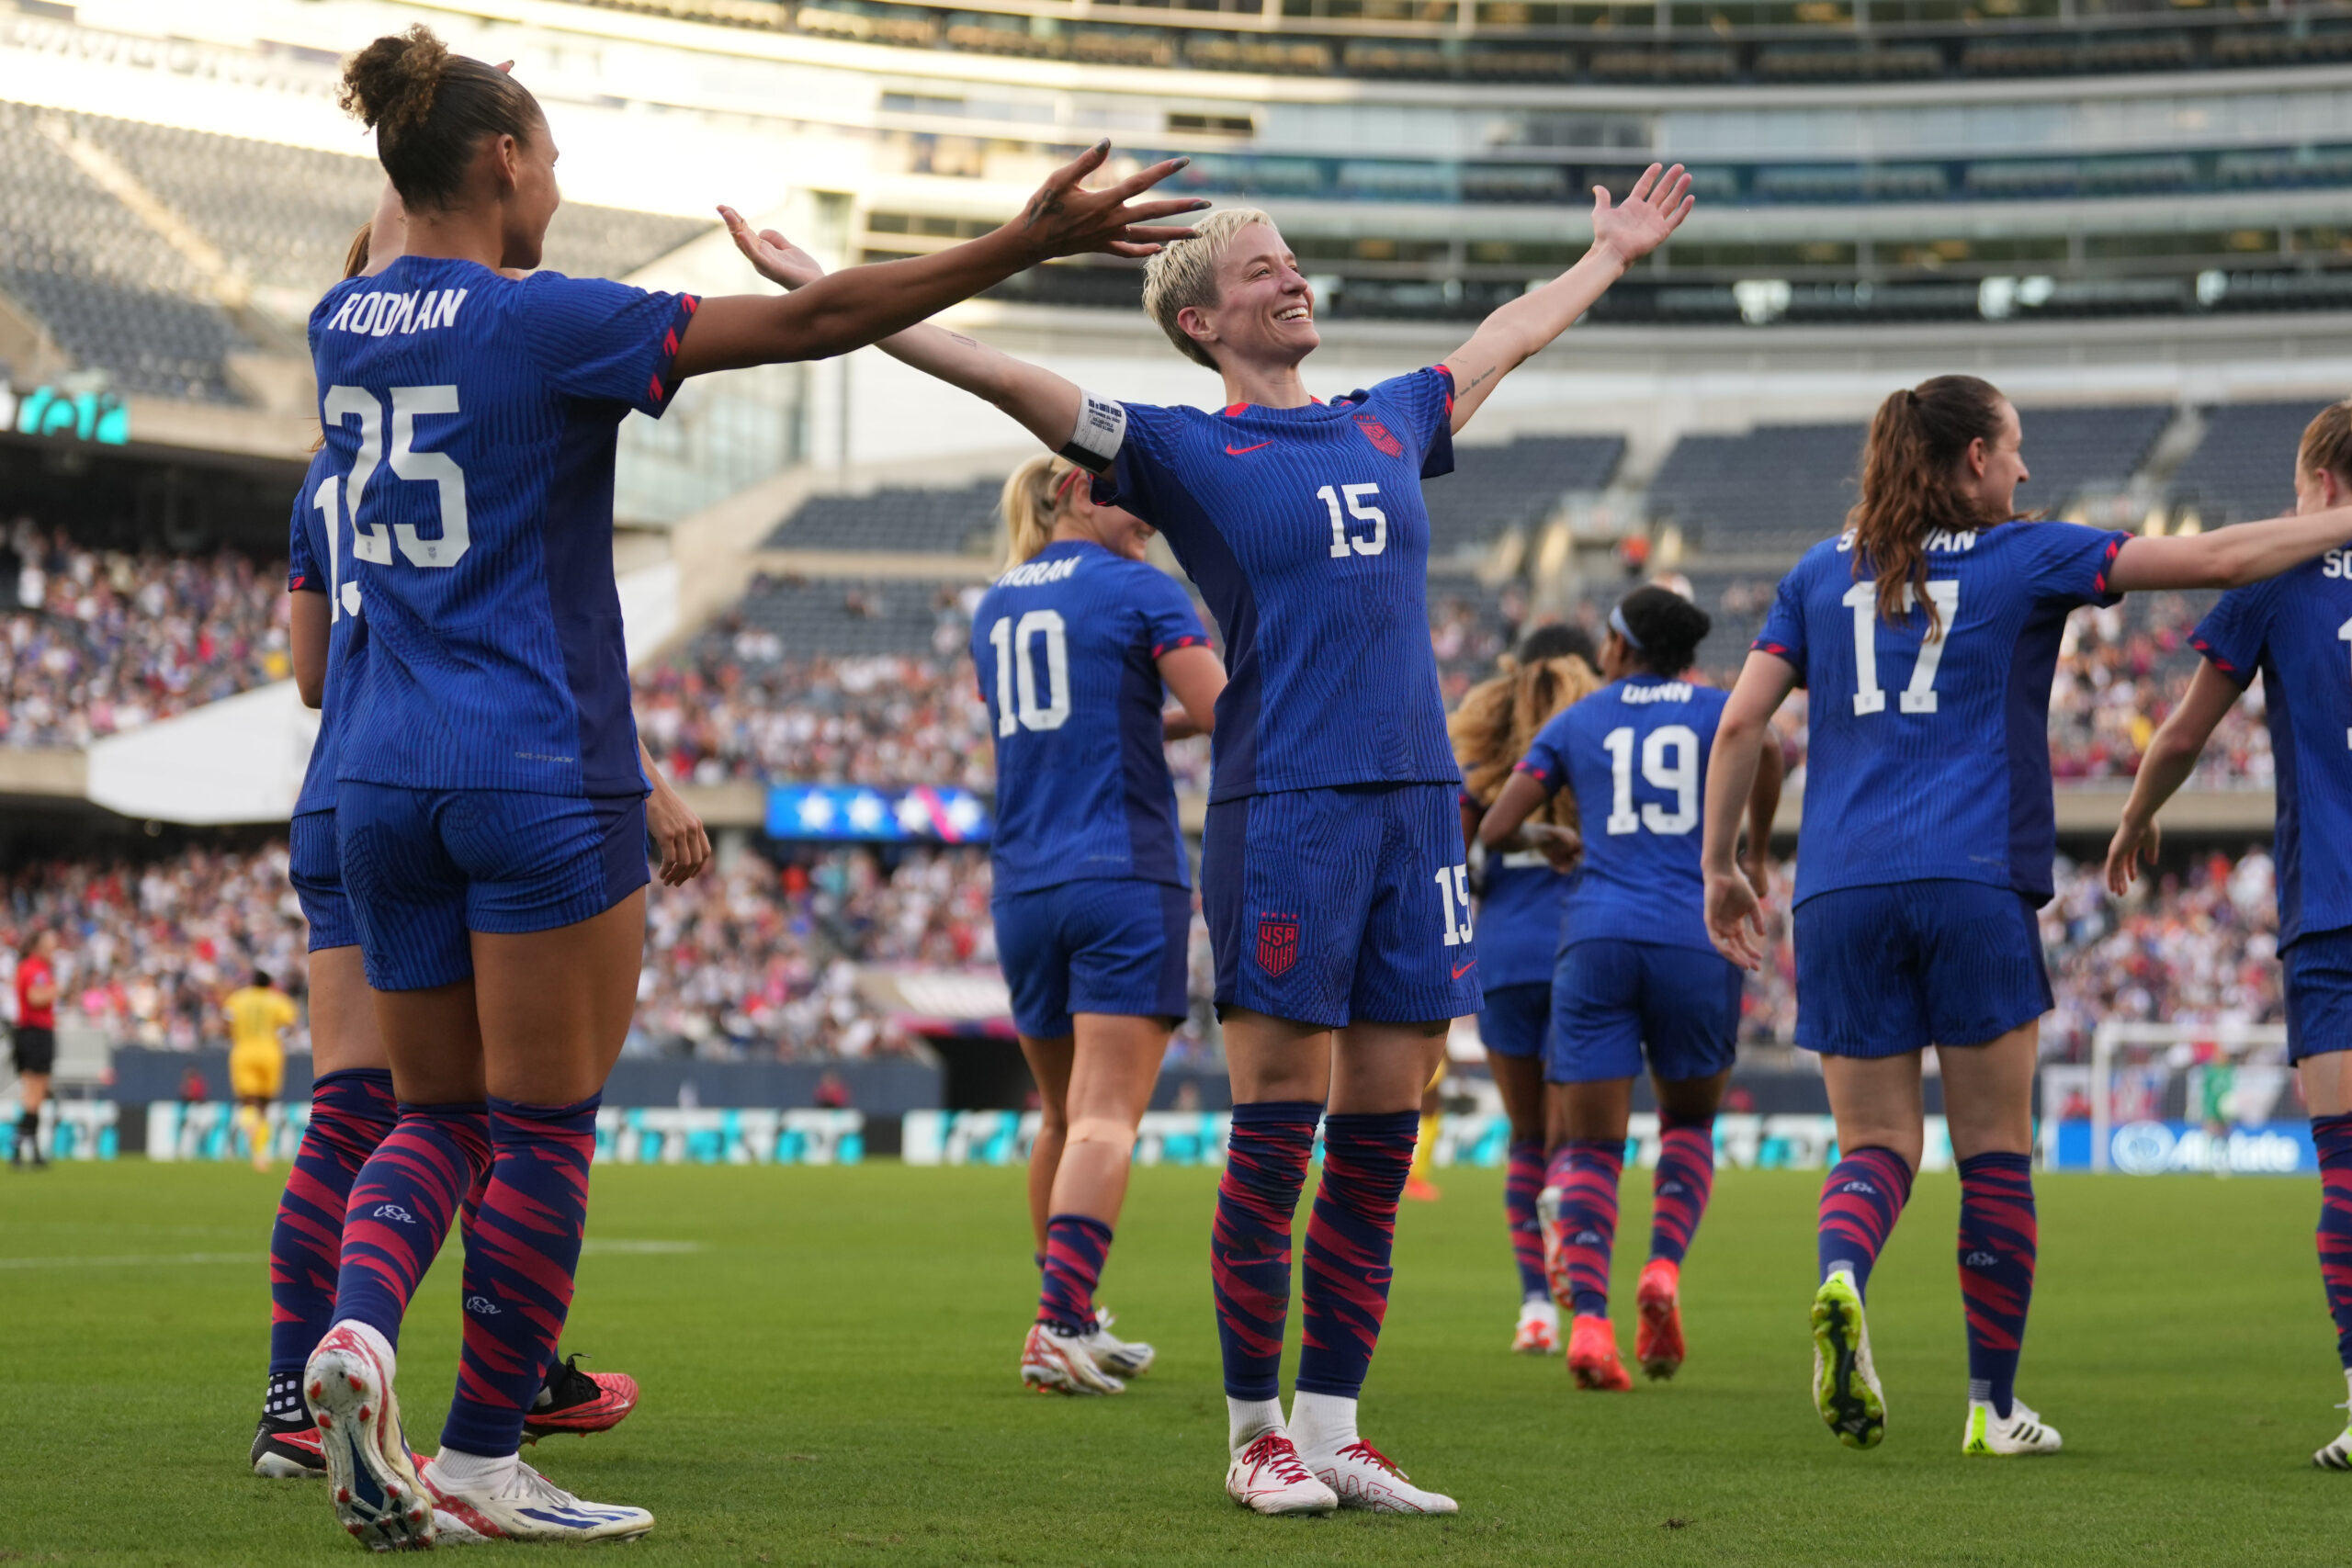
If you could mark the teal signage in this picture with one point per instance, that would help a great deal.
(96, 417)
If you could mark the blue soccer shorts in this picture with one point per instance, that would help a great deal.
(314, 865)
(1517, 1019)
(1329, 905)
(2319, 993)
(1104, 944)
(425, 867)
(1901, 966)
(1611, 998)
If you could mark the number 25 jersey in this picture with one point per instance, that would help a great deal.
(1930, 758)
(1067, 645)
(471, 418)
(1305, 529)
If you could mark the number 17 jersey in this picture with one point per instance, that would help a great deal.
(1929, 758)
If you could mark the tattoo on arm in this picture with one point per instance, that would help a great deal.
(1480, 379)
(959, 337)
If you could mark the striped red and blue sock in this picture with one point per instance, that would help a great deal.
(351, 1114)
(1523, 1180)
(1587, 1171)
(1681, 1186)
(401, 1207)
(521, 1256)
(1257, 1200)
(1861, 1200)
(1076, 1246)
(2331, 1136)
(1350, 1237)
(1998, 1237)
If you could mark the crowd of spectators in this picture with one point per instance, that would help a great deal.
(94, 642)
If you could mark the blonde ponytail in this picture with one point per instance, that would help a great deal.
(1498, 720)
(1032, 502)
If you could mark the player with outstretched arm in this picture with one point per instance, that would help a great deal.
(489, 814)
(1927, 636)
(1333, 876)
(1638, 982)
(2290, 631)
(1091, 896)
(1522, 899)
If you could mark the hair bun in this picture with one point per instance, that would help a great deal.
(390, 84)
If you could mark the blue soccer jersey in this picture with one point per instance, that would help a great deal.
(1306, 531)
(1067, 645)
(1634, 755)
(1930, 760)
(1519, 920)
(319, 562)
(470, 419)
(2293, 630)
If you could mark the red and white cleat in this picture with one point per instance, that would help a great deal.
(1592, 1356)
(1361, 1476)
(371, 1477)
(574, 1401)
(527, 1505)
(1657, 1344)
(1266, 1477)
(1063, 1363)
(1539, 1329)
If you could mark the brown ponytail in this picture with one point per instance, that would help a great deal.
(1916, 440)
(1498, 720)
(430, 109)
(2326, 445)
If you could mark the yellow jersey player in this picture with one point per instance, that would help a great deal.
(258, 1013)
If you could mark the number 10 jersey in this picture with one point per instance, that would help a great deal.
(470, 422)
(1929, 758)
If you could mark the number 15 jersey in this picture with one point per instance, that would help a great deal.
(1305, 529)
(1930, 760)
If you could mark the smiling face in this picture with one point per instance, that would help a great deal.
(1264, 312)
(526, 168)
(1995, 468)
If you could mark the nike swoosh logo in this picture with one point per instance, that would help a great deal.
(1238, 451)
(1466, 969)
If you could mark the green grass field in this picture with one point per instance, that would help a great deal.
(829, 1362)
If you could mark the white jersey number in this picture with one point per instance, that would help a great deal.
(438, 468)
(1344, 541)
(1669, 761)
(343, 596)
(1017, 707)
(1453, 892)
(1919, 696)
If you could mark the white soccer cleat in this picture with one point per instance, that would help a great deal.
(1539, 1329)
(1267, 1477)
(1064, 1363)
(528, 1507)
(371, 1476)
(1120, 1357)
(1361, 1476)
(2023, 1433)
(2337, 1455)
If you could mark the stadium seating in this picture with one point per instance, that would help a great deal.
(1776, 488)
(2245, 467)
(847, 617)
(896, 519)
(2069, 450)
(1495, 489)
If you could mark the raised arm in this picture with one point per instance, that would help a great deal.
(1044, 403)
(1195, 676)
(1735, 911)
(864, 304)
(2172, 757)
(2229, 557)
(1515, 333)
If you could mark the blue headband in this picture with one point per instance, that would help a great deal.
(1617, 624)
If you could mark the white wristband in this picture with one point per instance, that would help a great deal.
(1101, 427)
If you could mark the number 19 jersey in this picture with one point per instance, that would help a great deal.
(1930, 758)
(1067, 645)
(2293, 630)
(1306, 531)
(470, 421)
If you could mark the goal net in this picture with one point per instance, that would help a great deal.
(2177, 1097)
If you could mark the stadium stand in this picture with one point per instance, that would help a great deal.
(2241, 469)
(1495, 488)
(897, 520)
(1777, 487)
(2070, 450)
(783, 618)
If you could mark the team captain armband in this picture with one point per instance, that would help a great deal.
(1101, 426)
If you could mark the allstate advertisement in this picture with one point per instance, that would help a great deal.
(2161, 1148)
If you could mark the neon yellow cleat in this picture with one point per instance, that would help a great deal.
(1845, 1386)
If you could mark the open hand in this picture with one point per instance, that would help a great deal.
(1064, 218)
(774, 257)
(1654, 209)
(2135, 844)
(1735, 919)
